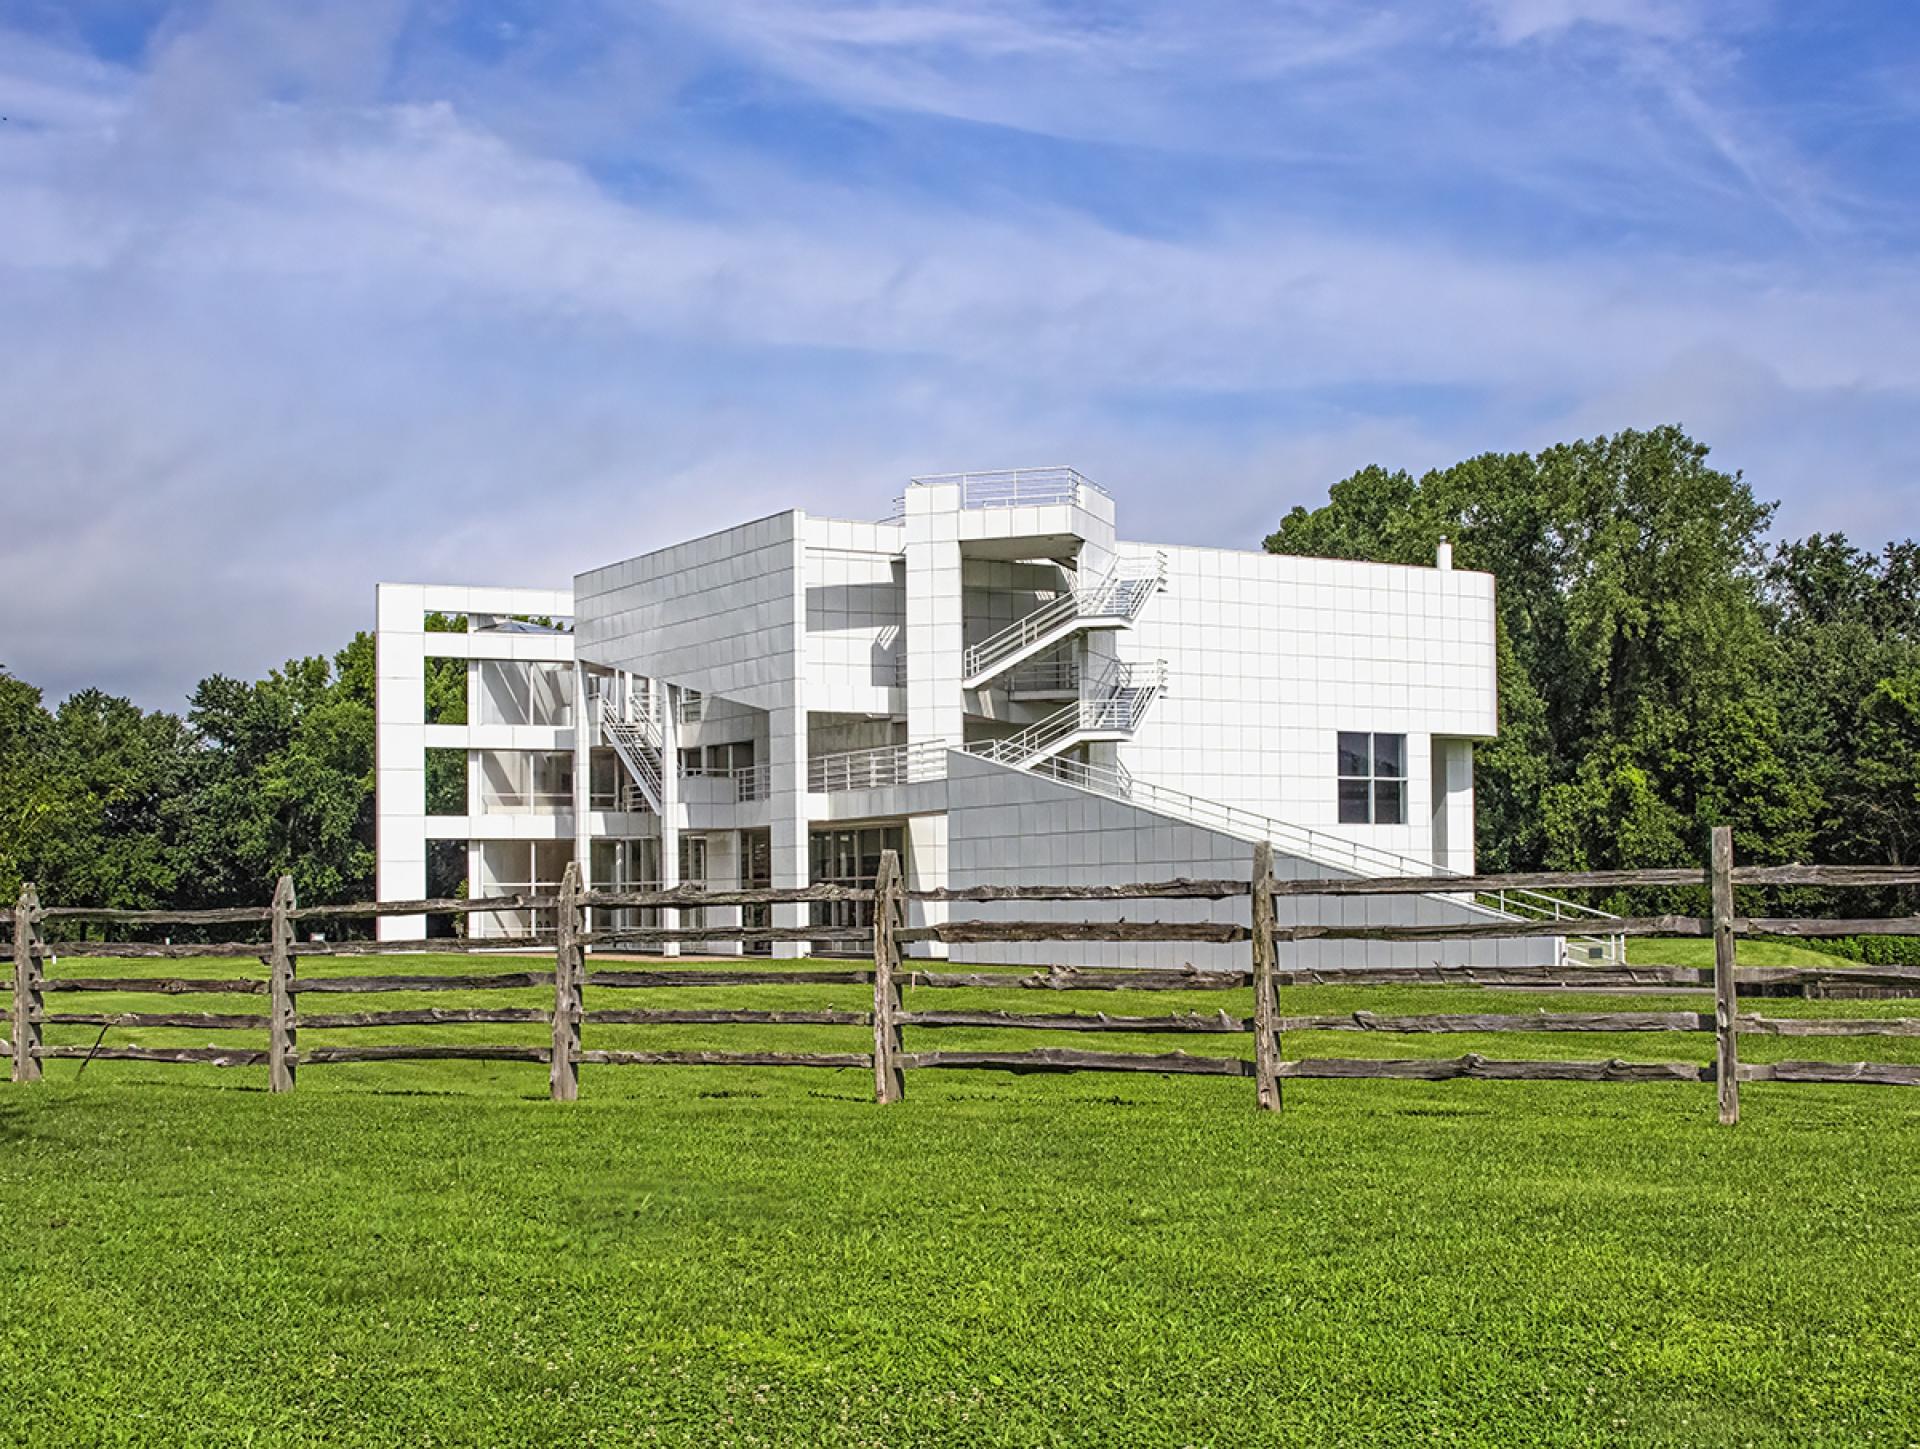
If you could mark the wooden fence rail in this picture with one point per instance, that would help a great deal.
(889, 976)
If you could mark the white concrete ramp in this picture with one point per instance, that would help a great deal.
(1008, 826)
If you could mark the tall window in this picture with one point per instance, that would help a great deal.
(1373, 778)
(849, 857)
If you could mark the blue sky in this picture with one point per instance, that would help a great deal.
(297, 298)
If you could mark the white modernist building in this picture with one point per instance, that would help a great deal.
(991, 682)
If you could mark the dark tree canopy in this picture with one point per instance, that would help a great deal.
(112, 805)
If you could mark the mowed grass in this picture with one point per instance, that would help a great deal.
(1698, 951)
(433, 1253)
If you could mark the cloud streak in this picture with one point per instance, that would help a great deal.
(301, 302)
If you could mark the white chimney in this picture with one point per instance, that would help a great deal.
(1443, 556)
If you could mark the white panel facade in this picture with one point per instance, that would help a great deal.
(990, 678)
(1006, 827)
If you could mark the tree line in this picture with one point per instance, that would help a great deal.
(1663, 668)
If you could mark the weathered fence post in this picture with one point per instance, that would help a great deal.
(1266, 1015)
(282, 1031)
(26, 986)
(569, 988)
(889, 900)
(1726, 994)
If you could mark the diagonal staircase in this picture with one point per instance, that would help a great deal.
(1113, 711)
(1113, 603)
(641, 745)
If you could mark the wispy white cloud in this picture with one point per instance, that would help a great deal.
(1516, 21)
(297, 302)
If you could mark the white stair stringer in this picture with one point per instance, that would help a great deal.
(1113, 603)
(640, 744)
(1332, 851)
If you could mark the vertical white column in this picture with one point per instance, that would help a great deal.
(926, 866)
(1460, 824)
(724, 861)
(787, 772)
(400, 754)
(788, 747)
(667, 700)
(936, 709)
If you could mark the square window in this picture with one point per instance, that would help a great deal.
(1353, 802)
(1372, 784)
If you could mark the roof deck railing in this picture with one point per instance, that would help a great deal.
(1010, 488)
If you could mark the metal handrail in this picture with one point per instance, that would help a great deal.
(1122, 594)
(750, 782)
(873, 768)
(1045, 676)
(1015, 487)
(639, 744)
(1316, 845)
(624, 798)
(1127, 692)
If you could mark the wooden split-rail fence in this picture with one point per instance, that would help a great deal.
(287, 990)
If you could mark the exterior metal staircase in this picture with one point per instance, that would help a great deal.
(1319, 846)
(1113, 710)
(1113, 603)
(641, 745)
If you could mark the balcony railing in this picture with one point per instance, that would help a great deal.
(623, 798)
(874, 768)
(749, 782)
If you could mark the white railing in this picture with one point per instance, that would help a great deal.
(1016, 487)
(1316, 845)
(639, 743)
(1121, 595)
(747, 782)
(1045, 676)
(752, 782)
(1125, 693)
(1042, 623)
(623, 798)
(1036, 741)
(877, 767)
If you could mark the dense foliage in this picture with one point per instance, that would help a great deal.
(1662, 671)
(105, 803)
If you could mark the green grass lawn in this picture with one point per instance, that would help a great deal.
(433, 1253)
(1698, 951)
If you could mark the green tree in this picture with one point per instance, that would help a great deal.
(283, 781)
(1639, 683)
(1849, 625)
(92, 797)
